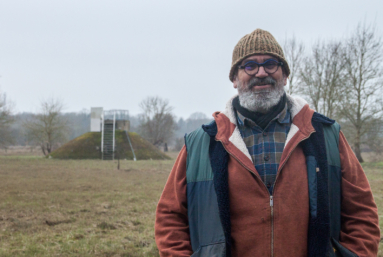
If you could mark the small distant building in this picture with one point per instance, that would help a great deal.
(95, 118)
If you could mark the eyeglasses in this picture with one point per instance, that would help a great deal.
(251, 67)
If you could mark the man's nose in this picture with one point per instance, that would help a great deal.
(261, 73)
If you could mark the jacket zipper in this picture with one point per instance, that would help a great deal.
(271, 197)
(272, 224)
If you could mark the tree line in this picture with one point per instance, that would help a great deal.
(343, 79)
(50, 127)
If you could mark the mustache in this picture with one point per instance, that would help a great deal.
(261, 81)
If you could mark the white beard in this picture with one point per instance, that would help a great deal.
(260, 101)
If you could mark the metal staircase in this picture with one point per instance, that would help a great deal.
(108, 132)
(108, 139)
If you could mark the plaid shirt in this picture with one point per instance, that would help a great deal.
(266, 146)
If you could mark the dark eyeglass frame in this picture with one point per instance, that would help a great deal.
(261, 65)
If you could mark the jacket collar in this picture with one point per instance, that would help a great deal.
(228, 132)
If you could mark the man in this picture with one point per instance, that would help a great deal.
(269, 177)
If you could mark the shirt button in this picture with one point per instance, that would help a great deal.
(269, 184)
(266, 158)
(264, 134)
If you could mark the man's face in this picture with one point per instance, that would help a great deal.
(261, 91)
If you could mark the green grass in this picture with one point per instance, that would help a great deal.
(93, 208)
(372, 165)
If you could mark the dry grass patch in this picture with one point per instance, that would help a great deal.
(54, 207)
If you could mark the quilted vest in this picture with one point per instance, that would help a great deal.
(207, 190)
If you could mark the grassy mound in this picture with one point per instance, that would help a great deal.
(142, 148)
(88, 146)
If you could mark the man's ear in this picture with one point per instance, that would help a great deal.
(285, 77)
(235, 83)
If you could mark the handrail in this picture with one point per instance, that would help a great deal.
(127, 135)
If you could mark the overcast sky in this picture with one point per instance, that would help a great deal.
(113, 54)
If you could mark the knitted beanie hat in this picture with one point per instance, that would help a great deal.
(257, 42)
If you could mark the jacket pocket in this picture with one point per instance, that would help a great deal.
(211, 250)
(340, 250)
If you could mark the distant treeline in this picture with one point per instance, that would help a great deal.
(79, 123)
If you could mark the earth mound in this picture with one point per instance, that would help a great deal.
(88, 146)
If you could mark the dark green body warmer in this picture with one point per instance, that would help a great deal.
(206, 233)
(205, 220)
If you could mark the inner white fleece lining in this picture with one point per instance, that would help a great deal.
(293, 130)
(295, 105)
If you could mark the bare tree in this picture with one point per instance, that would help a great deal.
(362, 105)
(157, 123)
(322, 77)
(48, 128)
(294, 54)
(6, 121)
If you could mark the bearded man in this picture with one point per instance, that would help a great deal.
(268, 177)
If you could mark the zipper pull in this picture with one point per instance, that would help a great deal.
(271, 201)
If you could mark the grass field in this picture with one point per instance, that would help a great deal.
(54, 207)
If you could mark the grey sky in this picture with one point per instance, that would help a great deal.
(113, 54)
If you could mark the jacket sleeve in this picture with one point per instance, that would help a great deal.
(360, 230)
(171, 226)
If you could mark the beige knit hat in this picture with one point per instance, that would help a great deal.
(257, 42)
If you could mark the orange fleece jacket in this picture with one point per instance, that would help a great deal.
(255, 232)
